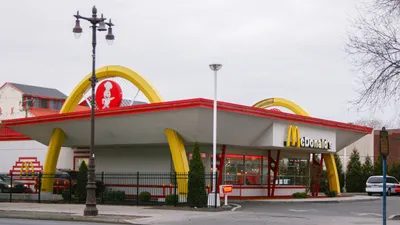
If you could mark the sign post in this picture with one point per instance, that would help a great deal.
(384, 151)
(226, 189)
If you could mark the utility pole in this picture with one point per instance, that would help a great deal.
(25, 105)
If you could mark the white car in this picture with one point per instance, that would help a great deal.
(374, 185)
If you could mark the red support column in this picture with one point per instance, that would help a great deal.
(269, 173)
(316, 179)
(273, 165)
(276, 168)
(319, 174)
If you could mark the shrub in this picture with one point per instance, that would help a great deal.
(197, 196)
(144, 196)
(354, 176)
(367, 169)
(66, 194)
(171, 199)
(82, 180)
(117, 196)
(339, 168)
(331, 193)
(395, 170)
(299, 195)
(100, 188)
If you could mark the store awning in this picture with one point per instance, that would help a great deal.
(238, 125)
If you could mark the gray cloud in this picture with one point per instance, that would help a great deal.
(291, 49)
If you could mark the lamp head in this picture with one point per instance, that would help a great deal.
(102, 24)
(77, 30)
(215, 67)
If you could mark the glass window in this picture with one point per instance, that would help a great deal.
(51, 104)
(375, 180)
(5, 178)
(264, 175)
(234, 169)
(78, 162)
(253, 169)
(29, 102)
(58, 105)
(44, 103)
(293, 172)
(36, 102)
(391, 180)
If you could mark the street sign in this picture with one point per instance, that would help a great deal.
(226, 189)
(384, 150)
(384, 142)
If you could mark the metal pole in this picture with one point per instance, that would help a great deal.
(214, 132)
(91, 209)
(384, 191)
(345, 170)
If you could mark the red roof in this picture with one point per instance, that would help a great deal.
(189, 103)
(42, 112)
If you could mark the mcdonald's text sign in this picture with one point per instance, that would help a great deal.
(294, 139)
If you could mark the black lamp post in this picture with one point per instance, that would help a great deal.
(91, 209)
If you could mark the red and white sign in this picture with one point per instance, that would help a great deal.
(108, 95)
(226, 189)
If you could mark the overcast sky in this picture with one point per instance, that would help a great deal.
(291, 49)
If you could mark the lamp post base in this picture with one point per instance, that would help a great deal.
(90, 210)
(212, 198)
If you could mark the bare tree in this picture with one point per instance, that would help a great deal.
(377, 124)
(375, 48)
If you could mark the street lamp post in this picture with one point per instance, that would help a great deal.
(91, 209)
(212, 197)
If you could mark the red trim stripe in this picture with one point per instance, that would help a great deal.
(187, 104)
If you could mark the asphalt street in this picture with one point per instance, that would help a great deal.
(363, 209)
(343, 213)
(42, 222)
(257, 213)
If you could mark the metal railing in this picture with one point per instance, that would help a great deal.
(139, 188)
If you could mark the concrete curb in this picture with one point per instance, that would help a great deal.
(68, 217)
(328, 200)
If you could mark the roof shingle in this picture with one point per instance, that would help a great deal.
(40, 91)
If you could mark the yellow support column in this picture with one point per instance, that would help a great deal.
(51, 159)
(329, 158)
(179, 158)
(175, 141)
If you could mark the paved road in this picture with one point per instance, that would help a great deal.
(344, 213)
(257, 213)
(42, 222)
(363, 209)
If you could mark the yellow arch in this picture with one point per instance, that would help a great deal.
(174, 139)
(330, 164)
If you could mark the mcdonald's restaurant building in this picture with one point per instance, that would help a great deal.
(261, 152)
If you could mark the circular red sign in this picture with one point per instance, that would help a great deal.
(108, 95)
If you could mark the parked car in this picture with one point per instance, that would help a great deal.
(67, 176)
(15, 187)
(374, 185)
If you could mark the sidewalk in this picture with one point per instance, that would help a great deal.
(139, 214)
(107, 213)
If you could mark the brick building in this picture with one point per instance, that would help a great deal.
(394, 146)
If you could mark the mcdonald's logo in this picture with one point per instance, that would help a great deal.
(294, 139)
(27, 166)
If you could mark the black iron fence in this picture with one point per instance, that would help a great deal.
(138, 188)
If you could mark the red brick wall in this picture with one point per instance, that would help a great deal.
(394, 146)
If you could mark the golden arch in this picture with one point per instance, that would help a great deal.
(330, 164)
(174, 139)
